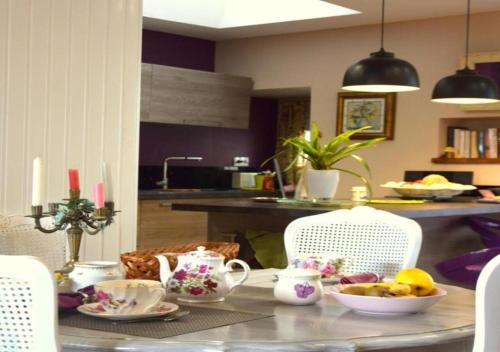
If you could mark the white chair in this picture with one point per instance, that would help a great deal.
(371, 240)
(28, 311)
(18, 237)
(487, 338)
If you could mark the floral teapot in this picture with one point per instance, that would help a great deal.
(200, 276)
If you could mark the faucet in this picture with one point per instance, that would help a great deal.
(164, 182)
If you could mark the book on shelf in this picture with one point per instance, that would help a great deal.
(466, 144)
(456, 138)
(474, 151)
(480, 144)
(493, 143)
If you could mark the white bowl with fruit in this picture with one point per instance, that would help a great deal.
(431, 186)
(412, 291)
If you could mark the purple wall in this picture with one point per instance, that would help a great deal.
(217, 146)
(176, 50)
(490, 69)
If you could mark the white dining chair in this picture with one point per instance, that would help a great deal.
(371, 240)
(19, 237)
(28, 310)
(487, 338)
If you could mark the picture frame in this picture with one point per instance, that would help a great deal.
(484, 63)
(355, 110)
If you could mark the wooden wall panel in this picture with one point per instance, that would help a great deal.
(69, 93)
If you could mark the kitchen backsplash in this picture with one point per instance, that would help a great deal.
(188, 176)
(218, 146)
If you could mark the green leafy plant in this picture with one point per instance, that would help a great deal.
(327, 156)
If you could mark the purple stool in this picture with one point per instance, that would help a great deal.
(466, 268)
(488, 230)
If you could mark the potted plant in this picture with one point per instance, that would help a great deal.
(323, 177)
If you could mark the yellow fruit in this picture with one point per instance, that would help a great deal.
(434, 180)
(398, 289)
(354, 290)
(58, 276)
(377, 291)
(420, 281)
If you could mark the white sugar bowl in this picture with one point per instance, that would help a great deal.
(298, 286)
(88, 273)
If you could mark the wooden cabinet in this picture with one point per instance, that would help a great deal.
(159, 225)
(191, 97)
(146, 81)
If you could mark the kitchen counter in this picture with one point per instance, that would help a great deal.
(159, 194)
(414, 211)
(159, 225)
(445, 233)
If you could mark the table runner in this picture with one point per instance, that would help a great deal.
(199, 319)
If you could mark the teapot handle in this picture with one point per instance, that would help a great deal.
(246, 270)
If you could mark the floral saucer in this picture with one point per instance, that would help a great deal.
(96, 310)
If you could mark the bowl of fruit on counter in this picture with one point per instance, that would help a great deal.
(431, 186)
(412, 291)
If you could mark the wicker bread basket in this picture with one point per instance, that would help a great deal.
(142, 264)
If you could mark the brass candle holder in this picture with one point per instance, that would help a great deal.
(75, 216)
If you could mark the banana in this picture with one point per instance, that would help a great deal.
(399, 289)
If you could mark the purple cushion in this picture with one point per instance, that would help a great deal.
(488, 230)
(466, 268)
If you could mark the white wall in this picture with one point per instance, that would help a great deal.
(319, 60)
(69, 93)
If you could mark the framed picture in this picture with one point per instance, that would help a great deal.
(486, 64)
(355, 110)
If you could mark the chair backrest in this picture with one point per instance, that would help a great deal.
(371, 240)
(488, 308)
(18, 237)
(28, 314)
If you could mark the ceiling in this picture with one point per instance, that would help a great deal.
(396, 11)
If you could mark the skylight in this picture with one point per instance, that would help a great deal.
(239, 13)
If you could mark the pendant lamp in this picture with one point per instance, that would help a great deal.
(466, 86)
(381, 72)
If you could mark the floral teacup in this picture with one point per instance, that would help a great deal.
(328, 265)
(128, 296)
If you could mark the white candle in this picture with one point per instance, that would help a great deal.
(106, 179)
(38, 182)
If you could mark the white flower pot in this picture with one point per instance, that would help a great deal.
(322, 184)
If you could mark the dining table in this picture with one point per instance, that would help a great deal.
(325, 326)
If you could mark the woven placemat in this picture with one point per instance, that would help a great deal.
(199, 319)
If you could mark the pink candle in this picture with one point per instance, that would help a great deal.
(74, 182)
(98, 192)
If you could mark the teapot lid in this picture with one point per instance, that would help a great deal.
(201, 252)
(297, 273)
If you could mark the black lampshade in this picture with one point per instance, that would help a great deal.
(381, 72)
(466, 86)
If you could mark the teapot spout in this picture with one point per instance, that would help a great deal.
(165, 271)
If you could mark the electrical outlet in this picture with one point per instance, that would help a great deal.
(241, 161)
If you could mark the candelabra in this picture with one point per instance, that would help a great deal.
(75, 216)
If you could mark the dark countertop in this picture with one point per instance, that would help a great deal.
(159, 194)
(429, 209)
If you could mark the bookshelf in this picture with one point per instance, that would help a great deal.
(465, 160)
(475, 124)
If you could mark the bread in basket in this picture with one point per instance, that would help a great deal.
(142, 264)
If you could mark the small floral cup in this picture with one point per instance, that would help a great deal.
(327, 265)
